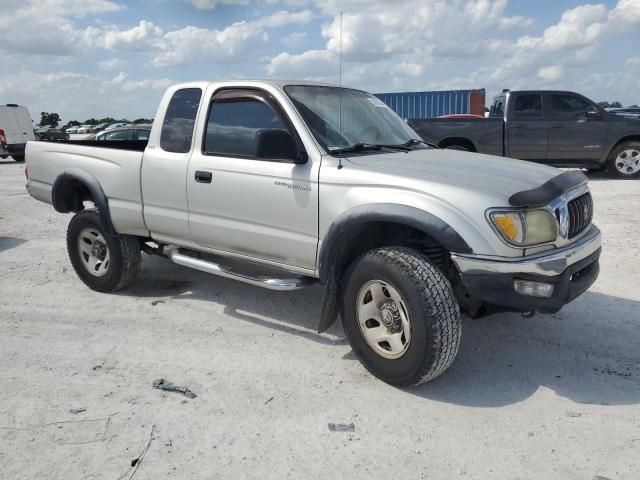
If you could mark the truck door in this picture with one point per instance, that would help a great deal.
(246, 205)
(578, 129)
(527, 129)
(164, 167)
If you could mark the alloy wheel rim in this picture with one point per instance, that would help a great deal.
(628, 162)
(383, 319)
(94, 252)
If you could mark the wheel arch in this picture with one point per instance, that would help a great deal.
(366, 227)
(627, 138)
(461, 141)
(73, 187)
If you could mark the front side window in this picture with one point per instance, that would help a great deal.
(234, 123)
(569, 105)
(180, 120)
(528, 106)
(341, 118)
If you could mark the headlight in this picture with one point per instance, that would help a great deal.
(524, 228)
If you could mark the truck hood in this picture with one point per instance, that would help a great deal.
(502, 176)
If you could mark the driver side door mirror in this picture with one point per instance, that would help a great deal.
(278, 144)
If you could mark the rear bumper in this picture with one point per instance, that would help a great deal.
(571, 271)
(18, 148)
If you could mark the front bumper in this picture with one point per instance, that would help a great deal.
(571, 271)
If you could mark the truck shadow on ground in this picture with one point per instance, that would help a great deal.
(7, 243)
(588, 352)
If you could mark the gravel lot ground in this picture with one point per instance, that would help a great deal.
(546, 398)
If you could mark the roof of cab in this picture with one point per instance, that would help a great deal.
(254, 82)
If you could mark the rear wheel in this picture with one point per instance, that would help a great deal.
(400, 316)
(456, 147)
(624, 161)
(104, 263)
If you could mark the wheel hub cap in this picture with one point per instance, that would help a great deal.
(383, 319)
(94, 252)
(628, 161)
(390, 316)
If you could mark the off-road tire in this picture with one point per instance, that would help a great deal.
(124, 251)
(611, 162)
(436, 327)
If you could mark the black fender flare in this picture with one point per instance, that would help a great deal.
(348, 225)
(67, 180)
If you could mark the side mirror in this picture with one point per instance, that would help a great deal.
(278, 144)
(589, 115)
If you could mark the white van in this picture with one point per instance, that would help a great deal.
(16, 129)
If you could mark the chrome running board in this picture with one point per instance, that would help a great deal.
(282, 284)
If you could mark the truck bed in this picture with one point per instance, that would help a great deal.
(135, 145)
(487, 134)
(116, 164)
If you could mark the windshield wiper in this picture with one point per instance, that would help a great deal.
(362, 147)
(415, 141)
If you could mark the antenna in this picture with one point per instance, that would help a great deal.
(340, 90)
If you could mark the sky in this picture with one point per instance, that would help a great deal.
(98, 58)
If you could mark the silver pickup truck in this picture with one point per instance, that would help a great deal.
(296, 183)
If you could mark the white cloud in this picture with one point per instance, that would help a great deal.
(144, 36)
(551, 73)
(212, 4)
(633, 62)
(400, 41)
(190, 44)
(43, 27)
(294, 39)
(112, 64)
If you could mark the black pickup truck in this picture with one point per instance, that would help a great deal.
(563, 129)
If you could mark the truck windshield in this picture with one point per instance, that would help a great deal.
(365, 125)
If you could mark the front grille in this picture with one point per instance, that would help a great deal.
(580, 214)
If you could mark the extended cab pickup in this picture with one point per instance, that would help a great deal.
(283, 185)
(563, 129)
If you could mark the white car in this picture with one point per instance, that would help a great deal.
(16, 129)
(73, 129)
(115, 125)
(85, 129)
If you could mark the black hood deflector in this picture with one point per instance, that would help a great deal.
(542, 195)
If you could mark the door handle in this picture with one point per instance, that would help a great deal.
(203, 177)
(519, 125)
(557, 125)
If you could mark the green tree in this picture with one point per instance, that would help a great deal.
(47, 118)
(605, 104)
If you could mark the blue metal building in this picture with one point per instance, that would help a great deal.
(435, 104)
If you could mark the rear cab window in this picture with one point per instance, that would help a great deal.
(528, 105)
(179, 120)
(497, 109)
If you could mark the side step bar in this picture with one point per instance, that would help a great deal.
(281, 284)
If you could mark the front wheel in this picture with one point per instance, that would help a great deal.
(400, 316)
(105, 263)
(624, 161)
